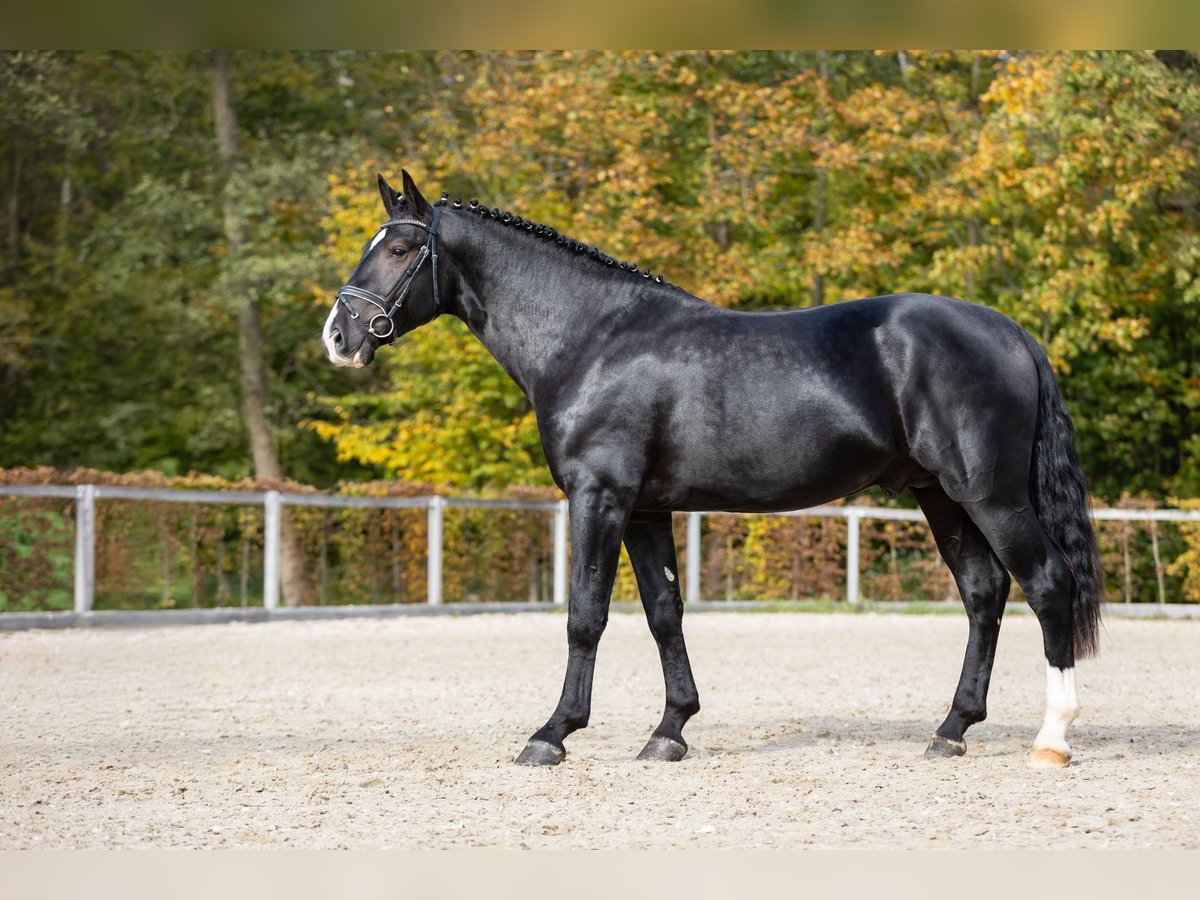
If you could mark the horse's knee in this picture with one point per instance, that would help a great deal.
(585, 630)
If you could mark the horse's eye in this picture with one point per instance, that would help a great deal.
(399, 250)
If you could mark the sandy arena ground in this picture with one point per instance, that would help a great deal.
(401, 733)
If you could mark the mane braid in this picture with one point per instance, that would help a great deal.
(546, 232)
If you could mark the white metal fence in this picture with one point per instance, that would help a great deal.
(86, 495)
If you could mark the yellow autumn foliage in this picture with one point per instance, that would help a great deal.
(1051, 186)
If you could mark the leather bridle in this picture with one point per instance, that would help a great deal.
(382, 326)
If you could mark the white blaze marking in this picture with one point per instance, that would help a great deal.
(327, 339)
(326, 336)
(670, 575)
(375, 240)
(334, 357)
(1062, 706)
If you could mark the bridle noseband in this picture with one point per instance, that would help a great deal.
(382, 326)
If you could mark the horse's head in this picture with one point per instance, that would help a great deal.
(375, 307)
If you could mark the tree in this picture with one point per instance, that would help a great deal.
(264, 450)
(1058, 188)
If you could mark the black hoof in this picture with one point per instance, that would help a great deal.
(941, 748)
(663, 748)
(541, 753)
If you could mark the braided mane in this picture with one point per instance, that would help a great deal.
(547, 233)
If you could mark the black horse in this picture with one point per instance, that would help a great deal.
(651, 400)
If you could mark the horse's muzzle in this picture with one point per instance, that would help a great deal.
(340, 354)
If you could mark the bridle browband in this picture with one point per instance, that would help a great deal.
(382, 326)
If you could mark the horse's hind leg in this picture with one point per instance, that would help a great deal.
(651, 547)
(1045, 577)
(983, 584)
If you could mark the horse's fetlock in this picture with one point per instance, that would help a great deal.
(577, 720)
(690, 707)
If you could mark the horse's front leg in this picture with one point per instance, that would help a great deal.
(651, 547)
(598, 516)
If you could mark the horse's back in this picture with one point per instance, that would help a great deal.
(759, 411)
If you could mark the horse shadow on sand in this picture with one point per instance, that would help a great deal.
(1098, 741)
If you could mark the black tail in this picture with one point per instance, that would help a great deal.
(1061, 501)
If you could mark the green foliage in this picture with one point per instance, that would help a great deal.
(36, 557)
(1060, 188)
(156, 555)
(453, 418)
(176, 555)
(118, 345)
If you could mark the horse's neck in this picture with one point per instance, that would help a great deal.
(534, 306)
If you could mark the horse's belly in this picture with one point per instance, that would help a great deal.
(749, 476)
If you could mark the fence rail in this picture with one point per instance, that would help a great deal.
(273, 503)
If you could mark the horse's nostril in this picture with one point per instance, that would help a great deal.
(337, 338)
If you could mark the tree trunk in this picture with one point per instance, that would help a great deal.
(819, 211)
(1128, 563)
(972, 241)
(12, 209)
(973, 224)
(976, 80)
(821, 188)
(65, 199)
(1159, 568)
(264, 451)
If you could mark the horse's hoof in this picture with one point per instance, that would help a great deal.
(541, 753)
(663, 748)
(1047, 758)
(942, 748)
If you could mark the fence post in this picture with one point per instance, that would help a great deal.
(561, 514)
(693, 558)
(271, 550)
(852, 517)
(434, 556)
(85, 547)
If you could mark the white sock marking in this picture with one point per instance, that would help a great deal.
(1062, 706)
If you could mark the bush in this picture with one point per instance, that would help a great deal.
(166, 555)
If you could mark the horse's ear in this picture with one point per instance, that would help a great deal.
(393, 203)
(417, 203)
